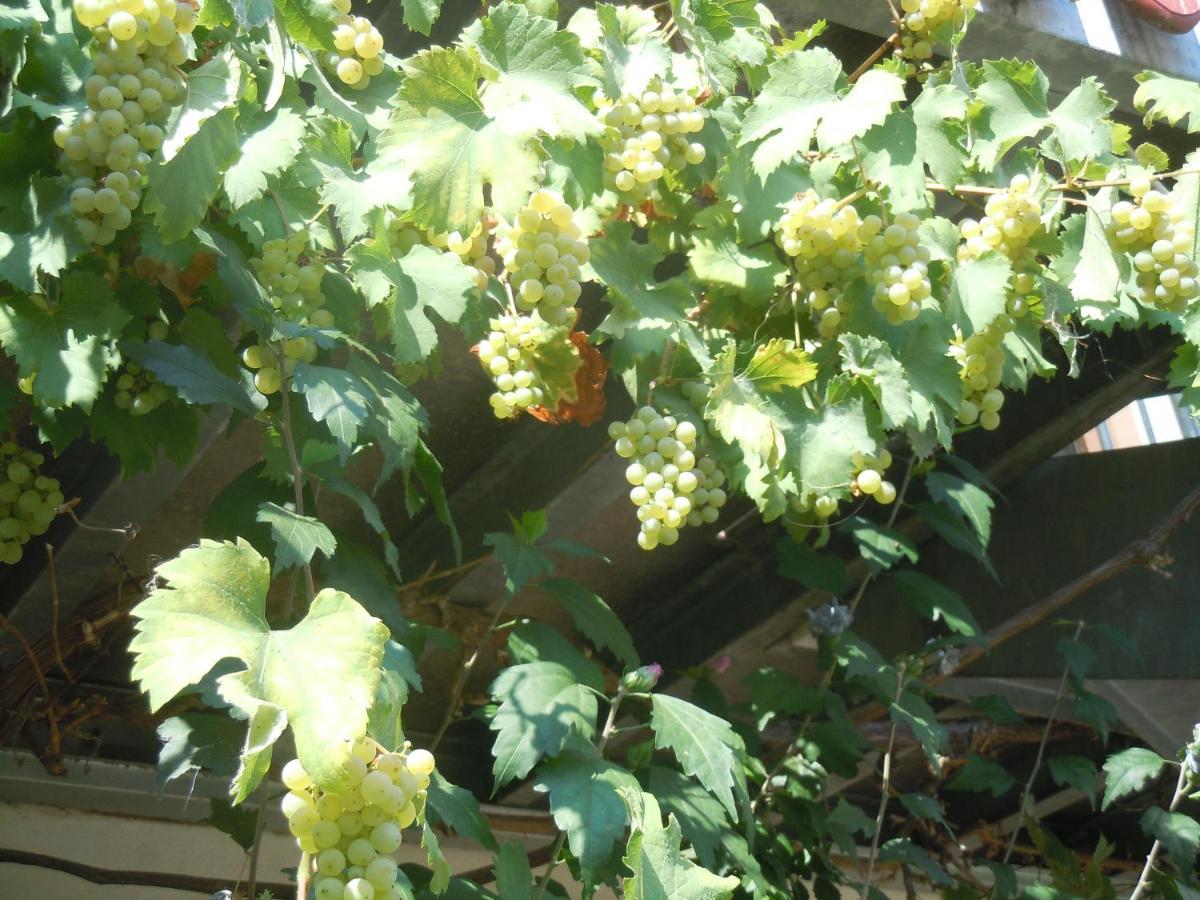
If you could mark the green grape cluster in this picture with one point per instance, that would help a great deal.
(130, 93)
(897, 266)
(543, 251)
(822, 236)
(291, 275)
(674, 484)
(922, 19)
(1012, 218)
(646, 136)
(358, 44)
(1159, 234)
(29, 501)
(868, 479)
(352, 836)
(981, 365)
(139, 391)
(508, 355)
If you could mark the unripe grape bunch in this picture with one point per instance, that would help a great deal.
(130, 93)
(509, 355)
(139, 391)
(1011, 219)
(981, 365)
(897, 266)
(358, 44)
(921, 21)
(646, 137)
(868, 477)
(291, 275)
(673, 483)
(822, 236)
(29, 501)
(352, 836)
(1156, 231)
(543, 251)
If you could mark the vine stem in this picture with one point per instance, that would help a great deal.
(259, 824)
(297, 473)
(556, 848)
(1143, 881)
(884, 794)
(460, 683)
(1041, 752)
(303, 873)
(875, 57)
(1077, 186)
(827, 677)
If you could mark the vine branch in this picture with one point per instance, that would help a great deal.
(884, 794)
(1152, 857)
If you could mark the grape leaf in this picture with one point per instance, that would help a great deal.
(717, 257)
(337, 398)
(1128, 772)
(913, 711)
(35, 236)
(536, 70)
(541, 706)
(983, 776)
(171, 429)
(724, 35)
(1078, 772)
(800, 562)
(968, 500)
(1081, 125)
(890, 157)
(197, 740)
(1013, 98)
(308, 22)
(514, 878)
(211, 88)
(586, 802)
(1170, 100)
(192, 373)
(297, 537)
(935, 601)
(70, 345)
(904, 851)
(385, 721)
(396, 419)
(757, 200)
(819, 443)
(237, 822)
(1179, 833)
(801, 101)
(778, 364)
(594, 618)
(210, 605)
(267, 150)
(442, 136)
(420, 15)
(938, 113)
(421, 282)
(660, 870)
(978, 292)
(180, 192)
(436, 860)
(631, 61)
(705, 745)
(355, 193)
(538, 642)
(458, 809)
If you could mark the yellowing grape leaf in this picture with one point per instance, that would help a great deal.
(320, 676)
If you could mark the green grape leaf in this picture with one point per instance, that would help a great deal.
(442, 870)
(904, 851)
(645, 312)
(717, 257)
(296, 537)
(210, 605)
(355, 193)
(235, 821)
(514, 878)
(1078, 772)
(913, 711)
(629, 64)
(520, 556)
(539, 642)
(270, 144)
(586, 802)
(443, 137)
(1098, 274)
(935, 601)
(1081, 125)
(1180, 834)
(1170, 100)
(968, 500)
(890, 157)
(925, 807)
(978, 292)
(724, 35)
(211, 88)
(536, 70)
(594, 618)
(308, 22)
(180, 192)
(336, 397)
(421, 282)
(194, 741)
(458, 809)
(801, 101)
(1013, 98)
(35, 235)
(881, 547)
(371, 515)
(660, 870)
(872, 361)
(194, 376)
(1128, 772)
(70, 346)
(541, 706)
(778, 364)
(420, 15)
(938, 114)
(705, 745)
(756, 200)
(396, 419)
(385, 720)
(812, 568)
(171, 429)
(979, 775)
(819, 443)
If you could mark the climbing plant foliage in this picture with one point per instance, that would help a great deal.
(809, 281)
